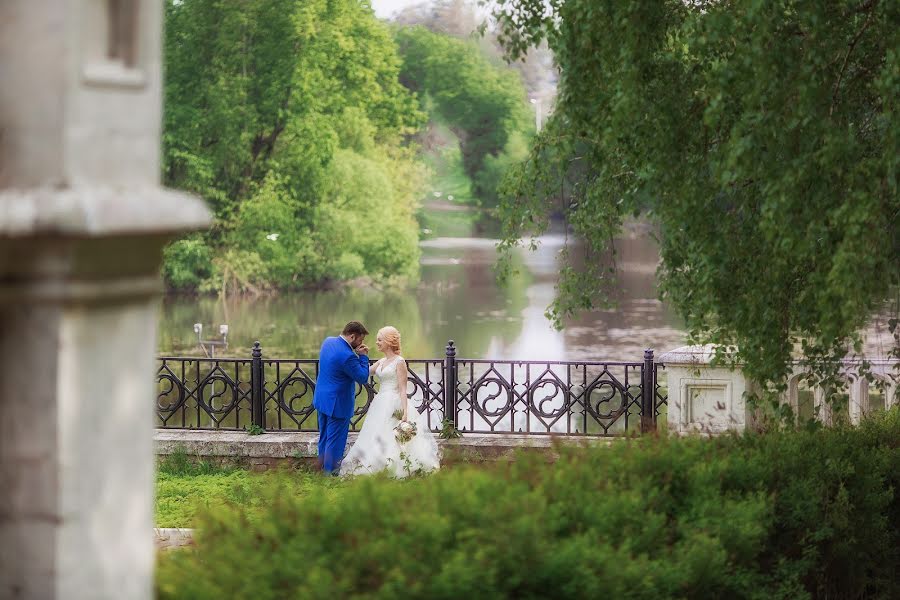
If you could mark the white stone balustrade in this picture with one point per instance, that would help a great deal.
(703, 397)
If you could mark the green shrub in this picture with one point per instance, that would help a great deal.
(786, 515)
(186, 263)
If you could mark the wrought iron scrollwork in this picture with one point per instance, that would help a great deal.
(169, 384)
(542, 397)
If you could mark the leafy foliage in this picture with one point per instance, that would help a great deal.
(788, 515)
(269, 107)
(482, 102)
(187, 262)
(761, 137)
(449, 430)
(181, 464)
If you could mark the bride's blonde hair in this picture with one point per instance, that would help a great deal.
(391, 337)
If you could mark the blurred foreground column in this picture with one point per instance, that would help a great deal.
(83, 220)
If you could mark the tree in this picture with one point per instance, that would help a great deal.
(459, 19)
(482, 102)
(761, 137)
(266, 103)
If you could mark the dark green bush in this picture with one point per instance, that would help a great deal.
(786, 515)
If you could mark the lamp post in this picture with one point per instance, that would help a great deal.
(537, 113)
(211, 344)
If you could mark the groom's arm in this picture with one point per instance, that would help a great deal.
(357, 367)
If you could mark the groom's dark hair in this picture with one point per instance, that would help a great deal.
(354, 328)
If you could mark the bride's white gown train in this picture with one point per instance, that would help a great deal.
(376, 449)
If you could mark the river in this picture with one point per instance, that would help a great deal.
(457, 298)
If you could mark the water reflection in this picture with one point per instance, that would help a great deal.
(458, 298)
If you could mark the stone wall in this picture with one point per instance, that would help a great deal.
(280, 449)
(165, 538)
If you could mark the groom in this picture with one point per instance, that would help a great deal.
(343, 362)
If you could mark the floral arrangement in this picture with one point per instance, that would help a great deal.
(405, 431)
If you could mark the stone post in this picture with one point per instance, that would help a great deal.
(702, 397)
(83, 220)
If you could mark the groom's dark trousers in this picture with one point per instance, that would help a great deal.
(340, 369)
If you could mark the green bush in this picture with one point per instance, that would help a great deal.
(786, 515)
(186, 263)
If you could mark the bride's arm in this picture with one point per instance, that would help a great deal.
(374, 366)
(402, 376)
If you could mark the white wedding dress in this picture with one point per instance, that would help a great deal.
(377, 449)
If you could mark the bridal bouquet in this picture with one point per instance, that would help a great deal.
(405, 431)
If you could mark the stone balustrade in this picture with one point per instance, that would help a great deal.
(708, 397)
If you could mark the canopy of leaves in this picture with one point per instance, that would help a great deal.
(484, 103)
(761, 137)
(460, 19)
(269, 104)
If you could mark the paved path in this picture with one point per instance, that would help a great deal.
(444, 205)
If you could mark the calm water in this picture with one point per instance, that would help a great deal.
(458, 298)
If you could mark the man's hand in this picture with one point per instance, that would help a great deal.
(362, 349)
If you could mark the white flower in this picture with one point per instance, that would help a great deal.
(405, 431)
(450, 197)
(437, 194)
(273, 237)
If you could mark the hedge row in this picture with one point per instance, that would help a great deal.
(807, 514)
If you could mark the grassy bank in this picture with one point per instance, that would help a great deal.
(186, 489)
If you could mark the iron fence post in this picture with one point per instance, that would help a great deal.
(648, 391)
(450, 391)
(257, 405)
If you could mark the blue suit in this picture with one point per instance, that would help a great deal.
(340, 369)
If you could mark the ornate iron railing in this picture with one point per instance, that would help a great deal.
(481, 396)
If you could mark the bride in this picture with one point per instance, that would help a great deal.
(376, 448)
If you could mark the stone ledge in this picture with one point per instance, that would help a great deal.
(695, 356)
(238, 444)
(268, 450)
(99, 211)
(172, 537)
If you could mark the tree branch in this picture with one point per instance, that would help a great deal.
(837, 86)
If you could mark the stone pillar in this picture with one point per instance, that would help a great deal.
(83, 220)
(702, 397)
